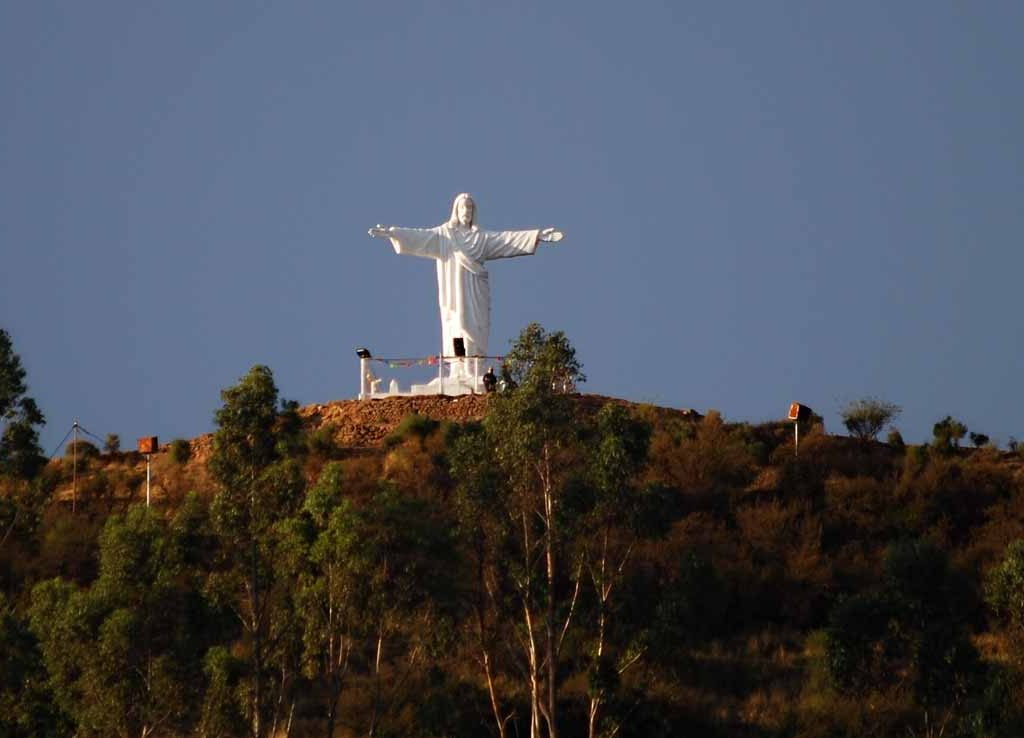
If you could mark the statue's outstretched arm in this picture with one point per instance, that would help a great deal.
(550, 235)
(380, 231)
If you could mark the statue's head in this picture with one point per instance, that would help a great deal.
(463, 211)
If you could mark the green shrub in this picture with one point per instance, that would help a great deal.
(112, 444)
(411, 425)
(760, 451)
(909, 632)
(947, 434)
(181, 451)
(997, 709)
(917, 457)
(321, 442)
(1004, 587)
(82, 448)
(95, 486)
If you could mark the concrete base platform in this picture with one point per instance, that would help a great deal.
(464, 385)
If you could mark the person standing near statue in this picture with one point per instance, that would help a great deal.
(460, 248)
(490, 381)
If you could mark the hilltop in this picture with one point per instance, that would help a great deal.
(729, 585)
(354, 427)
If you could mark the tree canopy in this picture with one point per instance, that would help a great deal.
(20, 455)
(865, 418)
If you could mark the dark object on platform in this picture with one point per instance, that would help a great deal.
(148, 445)
(363, 353)
(459, 346)
(800, 413)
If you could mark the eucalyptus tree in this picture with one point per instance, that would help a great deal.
(401, 555)
(124, 655)
(373, 579)
(22, 490)
(20, 455)
(313, 559)
(258, 486)
(551, 510)
(513, 476)
(618, 514)
(532, 429)
(27, 708)
(317, 558)
(486, 532)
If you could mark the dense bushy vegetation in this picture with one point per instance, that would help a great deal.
(555, 569)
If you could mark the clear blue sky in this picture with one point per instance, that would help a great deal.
(764, 202)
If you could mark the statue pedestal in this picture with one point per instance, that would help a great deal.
(463, 380)
(449, 386)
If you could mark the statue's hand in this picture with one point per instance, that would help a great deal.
(379, 231)
(550, 235)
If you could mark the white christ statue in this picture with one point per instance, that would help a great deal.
(460, 248)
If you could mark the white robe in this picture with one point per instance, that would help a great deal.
(463, 287)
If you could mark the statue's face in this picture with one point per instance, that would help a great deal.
(465, 212)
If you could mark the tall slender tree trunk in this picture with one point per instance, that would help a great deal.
(597, 700)
(495, 706)
(549, 546)
(337, 668)
(257, 645)
(535, 686)
(485, 651)
(332, 705)
(376, 681)
(530, 644)
(333, 677)
(282, 692)
(549, 645)
(335, 681)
